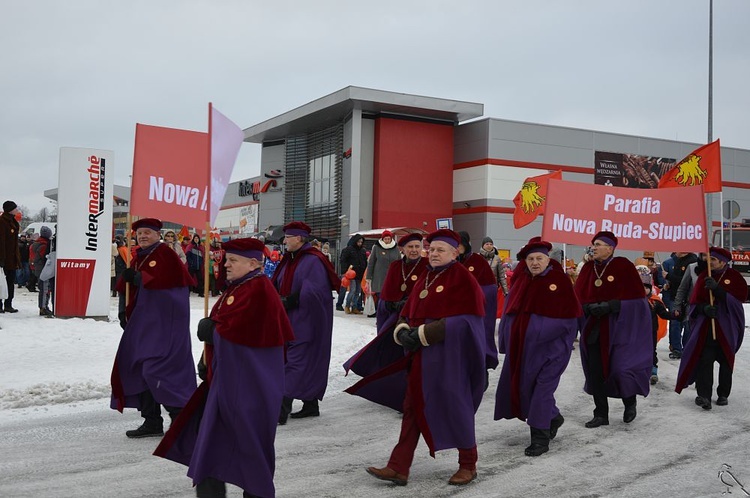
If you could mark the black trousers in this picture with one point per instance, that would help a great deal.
(151, 411)
(596, 381)
(214, 488)
(10, 278)
(704, 372)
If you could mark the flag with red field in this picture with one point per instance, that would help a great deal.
(531, 199)
(700, 167)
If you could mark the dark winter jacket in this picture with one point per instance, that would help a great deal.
(354, 256)
(10, 258)
(674, 277)
(23, 249)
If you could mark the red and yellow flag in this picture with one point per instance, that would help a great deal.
(702, 166)
(531, 199)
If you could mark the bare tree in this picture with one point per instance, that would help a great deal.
(42, 215)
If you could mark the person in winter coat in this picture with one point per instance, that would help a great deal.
(195, 262)
(489, 253)
(354, 255)
(682, 297)
(22, 274)
(171, 240)
(40, 249)
(10, 258)
(383, 253)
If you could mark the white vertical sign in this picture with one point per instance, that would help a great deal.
(84, 232)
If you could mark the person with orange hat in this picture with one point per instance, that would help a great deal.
(616, 347)
(441, 332)
(717, 332)
(536, 335)
(154, 362)
(305, 279)
(226, 432)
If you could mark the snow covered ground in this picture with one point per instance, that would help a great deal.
(59, 437)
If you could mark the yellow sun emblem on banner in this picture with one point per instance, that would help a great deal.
(690, 172)
(530, 198)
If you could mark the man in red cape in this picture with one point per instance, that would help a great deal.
(439, 384)
(399, 282)
(616, 348)
(536, 335)
(305, 279)
(154, 362)
(226, 432)
(717, 330)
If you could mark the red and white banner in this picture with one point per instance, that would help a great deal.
(170, 175)
(84, 232)
(642, 219)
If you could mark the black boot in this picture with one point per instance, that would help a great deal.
(211, 488)
(309, 409)
(145, 430)
(629, 413)
(555, 424)
(286, 409)
(539, 442)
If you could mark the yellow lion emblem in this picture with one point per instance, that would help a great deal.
(690, 172)
(530, 198)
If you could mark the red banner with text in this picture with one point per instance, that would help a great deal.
(170, 175)
(642, 219)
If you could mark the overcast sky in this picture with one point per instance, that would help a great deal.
(83, 73)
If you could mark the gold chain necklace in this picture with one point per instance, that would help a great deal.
(598, 281)
(227, 295)
(427, 283)
(404, 277)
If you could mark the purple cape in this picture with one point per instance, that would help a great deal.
(730, 327)
(155, 352)
(228, 427)
(547, 348)
(309, 355)
(378, 353)
(628, 351)
(448, 374)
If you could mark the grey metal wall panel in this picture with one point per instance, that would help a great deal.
(471, 141)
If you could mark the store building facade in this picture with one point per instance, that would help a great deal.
(359, 159)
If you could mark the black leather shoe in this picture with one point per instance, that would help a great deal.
(722, 401)
(308, 410)
(10, 309)
(629, 415)
(596, 422)
(555, 424)
(144, 431)
(704, 403)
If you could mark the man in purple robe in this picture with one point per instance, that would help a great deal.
(305, 280)
(399, 282)
(439, 384)
(482, 271)
(616, 346)
(154, 362)
(226, 432)
(718, 328)
(536, 335)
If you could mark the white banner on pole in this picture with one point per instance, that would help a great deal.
(84, 232)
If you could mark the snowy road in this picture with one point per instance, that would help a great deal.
(60, 439)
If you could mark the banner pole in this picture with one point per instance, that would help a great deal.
(206, 255)
(128, 256)
(708, 269)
